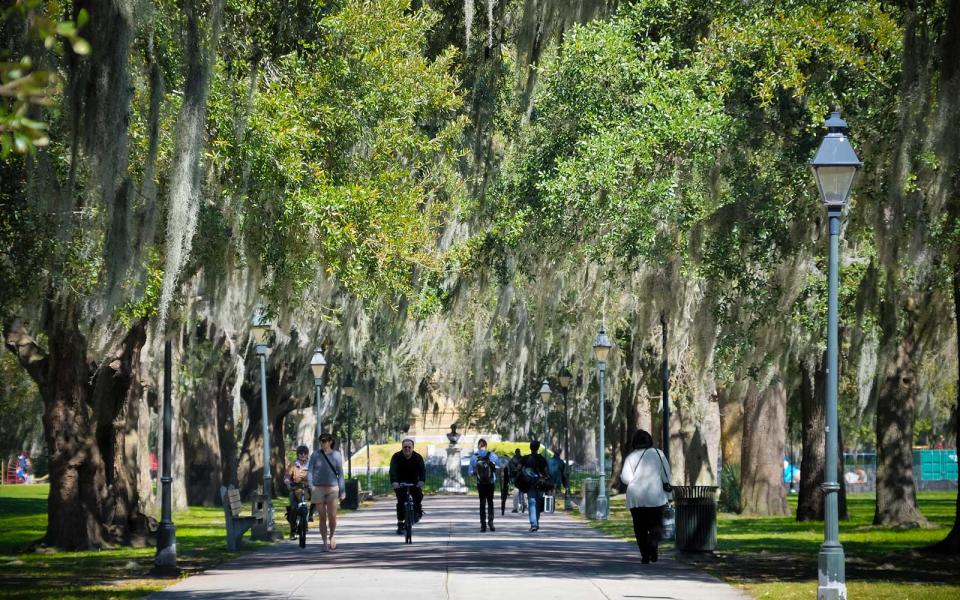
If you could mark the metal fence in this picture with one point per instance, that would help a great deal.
(933, 469)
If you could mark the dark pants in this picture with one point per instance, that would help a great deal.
(417, 494)
(647, 526)
(486, 503)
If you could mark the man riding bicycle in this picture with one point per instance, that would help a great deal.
(407, 466)
(296, 480)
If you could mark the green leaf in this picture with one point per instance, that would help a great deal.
(66, 29)
(81, 46)
(82, 18)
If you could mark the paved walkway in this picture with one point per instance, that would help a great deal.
(451, 559)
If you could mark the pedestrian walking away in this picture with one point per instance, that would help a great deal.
(535, 478)
(647, 475)
(484, 464)
(513, 468)
(407, 466)
(325, 475)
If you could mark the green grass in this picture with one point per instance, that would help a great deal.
(776, 557)
(113, 573)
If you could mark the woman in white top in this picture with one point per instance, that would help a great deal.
(645, 470)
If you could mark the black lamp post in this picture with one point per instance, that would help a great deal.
(601, 349)
(348, 392)
(260, 329)
(665, 388)
(318, 364)
(565, 379)
(165, 560)
(834, 168)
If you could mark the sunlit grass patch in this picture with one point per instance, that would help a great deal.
(776, 557)
(111, 573)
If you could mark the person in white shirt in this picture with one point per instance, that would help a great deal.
(645, 470)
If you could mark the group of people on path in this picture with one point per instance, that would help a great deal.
(645, 472)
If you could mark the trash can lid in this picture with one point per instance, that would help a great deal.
(686, 492)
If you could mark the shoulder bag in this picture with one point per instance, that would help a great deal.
(666, 484)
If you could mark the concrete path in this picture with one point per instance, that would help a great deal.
(451, 559)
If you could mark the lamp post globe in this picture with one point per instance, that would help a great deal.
(834, 167)
(259, 330)
(564, 378)
(260, 327)
(601, 349)
(545, 393)
(318, 364)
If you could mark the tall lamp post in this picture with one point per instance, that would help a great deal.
(348, 392)
(545, 393)
(834, 167)
(318, 364)
(665, 388)
(565, 379)
(165, 561)
(259, 329)
(601, 349)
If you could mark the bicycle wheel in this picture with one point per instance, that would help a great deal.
(302, 523)
(409, 523)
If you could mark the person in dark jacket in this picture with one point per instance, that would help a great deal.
(513, 469)
(407, 466)
(535, 464)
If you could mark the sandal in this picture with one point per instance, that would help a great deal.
(333, 543)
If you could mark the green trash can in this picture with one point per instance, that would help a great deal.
(696, 517)
(352, 501)
(591, 489)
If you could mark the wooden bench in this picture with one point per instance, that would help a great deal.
(237, 525)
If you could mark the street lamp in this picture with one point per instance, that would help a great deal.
(601, 349)
(565, 379)
(834, 167)
(665, 388)
(545, 393)
(318, 365)
(348, 392)
(165, 560)
(259, 329)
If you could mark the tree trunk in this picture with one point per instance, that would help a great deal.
(896, 411)
(813, 400)
(947, 149)
(90, 418)
(227, 427)
(730, 402)
(951, 544)
(764, 439)
(279, 405)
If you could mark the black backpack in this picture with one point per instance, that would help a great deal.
(484, 469)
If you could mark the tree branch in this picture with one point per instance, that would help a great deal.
(31, 356)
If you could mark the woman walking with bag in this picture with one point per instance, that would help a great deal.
(325, 473)
(647, 475)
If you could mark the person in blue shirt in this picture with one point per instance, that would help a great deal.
(484, 464)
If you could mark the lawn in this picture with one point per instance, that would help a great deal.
(116, 573)
(776, 557)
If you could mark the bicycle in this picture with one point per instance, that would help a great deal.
(408, 513)
(303, 511)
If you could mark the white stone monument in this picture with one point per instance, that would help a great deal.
(453, 484)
